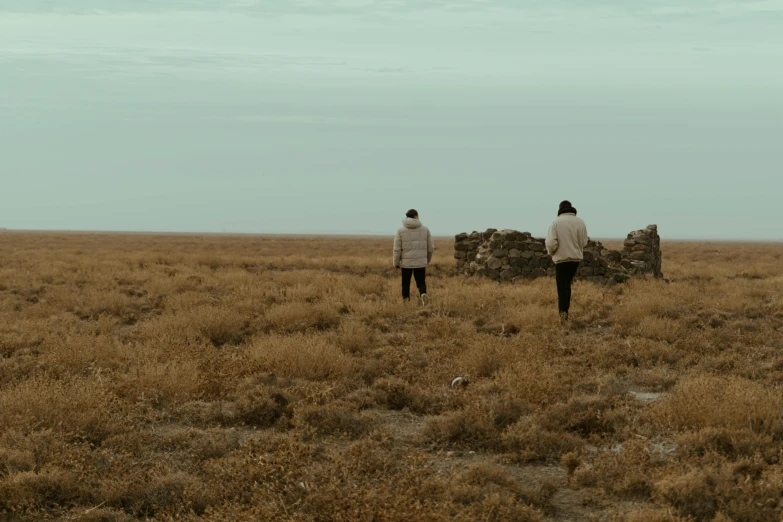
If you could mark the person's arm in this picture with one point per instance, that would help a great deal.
(430, 246)
(585, 238)
(551, 240)
(397, 250)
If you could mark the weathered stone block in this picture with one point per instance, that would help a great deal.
(460, 255)
(514, 253)
(493, 263)
(461, 236)
(500, 252)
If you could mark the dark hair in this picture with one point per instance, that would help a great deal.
(565, 204)
(412, 213)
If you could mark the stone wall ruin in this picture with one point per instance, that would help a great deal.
(642, 252)
(510, 255)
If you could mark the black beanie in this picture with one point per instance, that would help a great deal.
(412, 213)
(566, 208)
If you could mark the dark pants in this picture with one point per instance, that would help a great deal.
(564, 274)
(419, 274)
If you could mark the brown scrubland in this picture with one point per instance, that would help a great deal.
(228, 378)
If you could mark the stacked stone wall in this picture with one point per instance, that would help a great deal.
(642, 252)
(510, 255)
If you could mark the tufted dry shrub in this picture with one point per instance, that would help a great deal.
(705, 401)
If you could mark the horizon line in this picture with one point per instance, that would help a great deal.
(333, 234)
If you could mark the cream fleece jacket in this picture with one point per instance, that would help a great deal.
(413, 245)
(567, 238)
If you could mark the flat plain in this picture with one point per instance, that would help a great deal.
(227, 378)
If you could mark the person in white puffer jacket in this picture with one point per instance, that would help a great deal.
(413, 248)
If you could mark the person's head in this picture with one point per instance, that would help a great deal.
(412, 213)
(566, 208)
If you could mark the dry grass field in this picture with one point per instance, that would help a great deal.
(228, 378)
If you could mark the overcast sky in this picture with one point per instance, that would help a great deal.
(327, 116)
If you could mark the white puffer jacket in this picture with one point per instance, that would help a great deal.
(413, 245)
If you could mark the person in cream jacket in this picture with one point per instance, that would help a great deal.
(565, 242)
(413, 248)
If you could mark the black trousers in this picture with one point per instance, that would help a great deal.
(564, 274)
(420, 274)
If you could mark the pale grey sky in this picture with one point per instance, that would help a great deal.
(337, 116)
